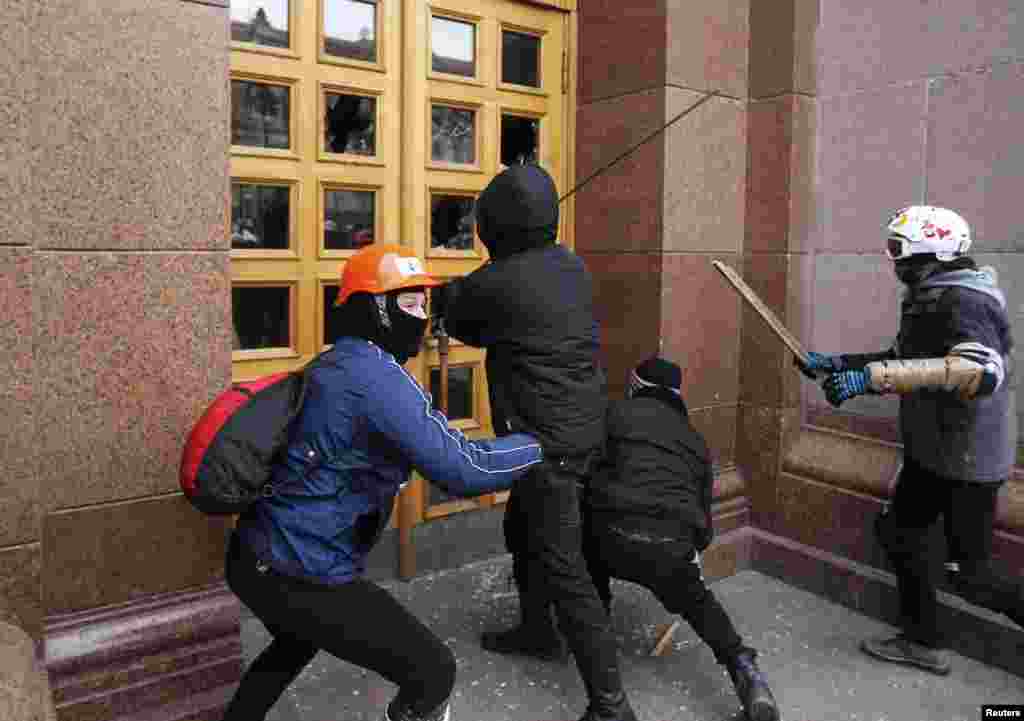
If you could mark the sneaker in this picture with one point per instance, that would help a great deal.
(909, 653)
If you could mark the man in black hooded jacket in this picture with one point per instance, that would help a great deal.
(531, 307)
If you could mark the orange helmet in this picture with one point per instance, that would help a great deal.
(382, 268)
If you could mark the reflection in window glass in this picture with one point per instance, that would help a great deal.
(348, 219)
(451, 222)
(519, 139)
(261, 317)
(351, 124)
(259, 216)
(453, 47)
(264, 22)
(520, 59)
(350, 29)
(453, 135)
(332, 330)
(259, 115)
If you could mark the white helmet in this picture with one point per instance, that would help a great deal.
(920, 229)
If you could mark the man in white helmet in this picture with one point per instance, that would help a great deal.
(951, 366)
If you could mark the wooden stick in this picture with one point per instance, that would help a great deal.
(665, 639)
(752, 299)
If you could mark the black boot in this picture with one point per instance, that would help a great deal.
(536, 635)
(752, 688)
(397, 711)
(609, 702)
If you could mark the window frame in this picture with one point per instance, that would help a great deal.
(379, 66)
(378, 159)
(480, 46)
(277, 352)
(294, 127)
(519, 112)
(499, 82)
(477, 252)
(326, 184)
(294, 198)
(479, 122)
(294, 31)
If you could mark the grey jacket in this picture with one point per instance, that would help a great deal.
(971, 440)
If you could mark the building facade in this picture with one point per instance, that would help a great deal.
(185, 179)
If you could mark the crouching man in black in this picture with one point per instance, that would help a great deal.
(649, 517)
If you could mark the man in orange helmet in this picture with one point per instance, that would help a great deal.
(298, 557)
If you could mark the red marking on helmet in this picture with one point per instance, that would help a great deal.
(943, 232)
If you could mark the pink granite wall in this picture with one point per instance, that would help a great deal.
(114, 277)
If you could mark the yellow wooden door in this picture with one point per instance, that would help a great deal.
(361, 121)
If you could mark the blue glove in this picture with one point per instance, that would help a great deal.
(845, 385)
(819, 363)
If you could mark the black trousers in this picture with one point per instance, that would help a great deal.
(543, 530)
(968, 511)
(670, 568)
(358, 622)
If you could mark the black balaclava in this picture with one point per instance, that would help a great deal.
(916, 268)
(517, 211)
(377, 318)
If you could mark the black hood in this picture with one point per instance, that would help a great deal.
(517, 211)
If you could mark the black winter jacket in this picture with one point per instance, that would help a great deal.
(657, 473)
(532, 308)
(533, 312)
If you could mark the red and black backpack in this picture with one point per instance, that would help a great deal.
(229, 456)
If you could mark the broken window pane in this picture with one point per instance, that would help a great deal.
(519, 139)
(520, 59)
(348, 219)
(453, 47)
(451, 222)
(259, 114)
(261, 317)
(453, 135)
(264, 22)
(350, 29)
(351, 124)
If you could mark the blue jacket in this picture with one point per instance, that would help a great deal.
(365, 424)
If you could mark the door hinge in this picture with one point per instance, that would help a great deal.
(565, 72)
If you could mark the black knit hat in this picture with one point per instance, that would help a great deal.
(657, 372)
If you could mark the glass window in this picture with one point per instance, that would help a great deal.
(351, 124)
(348, 219)
(350, 29)
(519, 138)
(520, 59)
(453, 135)
(331, 329)
(264, 22)
(453, 47)
(259, 216)
(259, 115)
(460, 391)
(261, 317)
(451, 222)
(460, 405)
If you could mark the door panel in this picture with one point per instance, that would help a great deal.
(358, 121)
